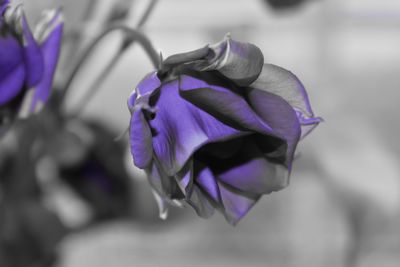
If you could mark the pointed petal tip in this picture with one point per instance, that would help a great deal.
(241, 62)
(235, 205)
(162, 205)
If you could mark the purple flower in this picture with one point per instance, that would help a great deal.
(218, 128)
(27, 61)
(3, 6)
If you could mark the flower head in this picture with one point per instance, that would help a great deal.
(27, 61)
(217, 128)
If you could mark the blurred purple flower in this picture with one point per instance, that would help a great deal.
(218, 128)
(3, 6)
(27, 61)
(99, 177)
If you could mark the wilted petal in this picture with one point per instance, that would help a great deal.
(162, 205)
(236, 204)
(50, 47)
(185, 57)
(140, 140)
(249, 171)
(285, 84)
(279, 114)
(201, 204)
(239, 62)
(184, 178)
(12, 71)
(33, 55)
(223, 104)
(154, 177)
(180, 128)
(166, 186)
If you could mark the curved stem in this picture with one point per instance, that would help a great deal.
(128, 41)
(131, 36)
(97, 83)
(147, 13)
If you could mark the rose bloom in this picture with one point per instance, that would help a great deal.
(217, 128)
(27, 61)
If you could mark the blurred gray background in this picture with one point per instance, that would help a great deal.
(343, 205)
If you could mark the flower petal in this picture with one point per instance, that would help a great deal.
(239, 62)
(162, 204)
(236, 205)
(280, 115)
(201, 204)
(149, 83)
(223, 104)
(285, 84)
(180, 128)
(140, 140)
(166, 186)
(34, 62)
(132, 100)
(12, 85)
(3, 6)
(205, 179)
(281, 82)
(146, 87)
(183, 58)
(249, 171)
(12, 70)
(50, 49)
(184, 178)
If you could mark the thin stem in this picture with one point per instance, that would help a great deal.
(130, 37)
(131, 34)
(94, 87)
(147, 13)
(107, 70)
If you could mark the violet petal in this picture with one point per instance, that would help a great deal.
(201, 204)
(149, 83)
(180, 128)
(223, 104)
(249, 171)
(205, 179)
(12, 84)
(33, 56)
(280, 115)
(236, 205)
(284, 83)
(3, 6)
(12, 70)
(140, 140)
(50, 49)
